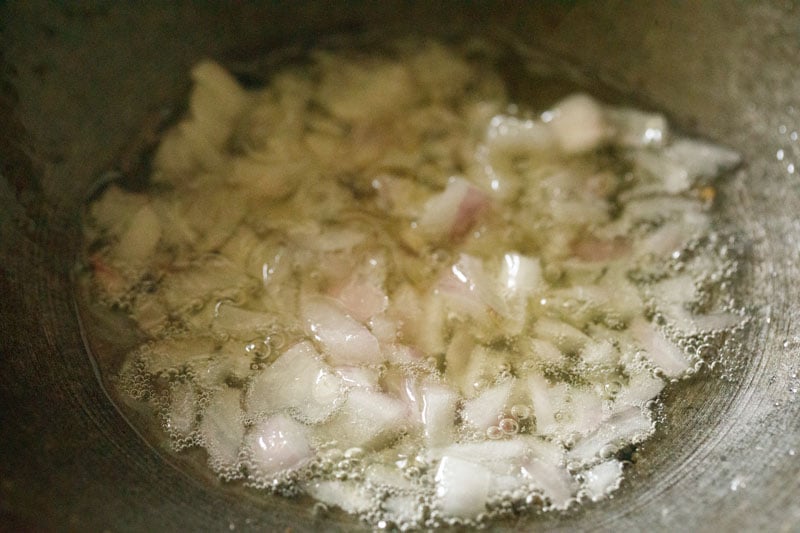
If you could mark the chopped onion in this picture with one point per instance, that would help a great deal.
(344, 339)
(378, 282)
(438, 414)
(367, 419)
(578, 124)
(469, 289)
(182, 410)
(663, 353)
(452, 213)
(486, 409)
(627, 426)
(277, 444)
(602, 479)
(138, 242)
(347, 495)
(221, 430)
(299, 382)
(461, 487)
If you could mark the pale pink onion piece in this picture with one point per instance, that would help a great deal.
(578, 124)
(642, 387)
(356, 376)
(593, 249)
(367, 419)
(554, 481)
(182, 409)
(663, 353)
(520, 278)
(485, 410)
(139, 240)
(452, 213)
(625, 427)
(362, 295)
(511, 134)
(298, 381)
(637, 129)
(277, 444)
(438, 414)
(469, 289)
(566, 337)
(345, 340)
(545, 352)
(602, 479)
(348, 495)
(461, 487)
(222, 430)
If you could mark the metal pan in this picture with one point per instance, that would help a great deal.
(79, 81)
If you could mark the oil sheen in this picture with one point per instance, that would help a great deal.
(380, 282)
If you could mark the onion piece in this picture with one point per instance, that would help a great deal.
(461, 487)
(642, 387)
(403, 508)
(543, 466)
(182, 412)
(113, 211)
(348, 495)
(421, 318)
(481, 368)
(636, 128)
(511, 134)
(299, 382)
(438, 414)
(566, 337)
(554, 481)
(578, 124)
(217, 98)
(520, 279)
(367, 419)
(546, 400)
(402, 355)
(544, 352)
(362, 295)
(583, 413)
(212, 277)
(452, 213)
(658, 349)
(501, 457)
(265, 179)
(344, 339)
(140, 239)
(470, 291)
(173, 353)
(627, 426)
(277, 444)
(458, 353)
(602, 479)
(683, 161)
(331, 240)
(241, 323)
(221, 431)
(486, 409)
(354, 376)
(386, 475)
